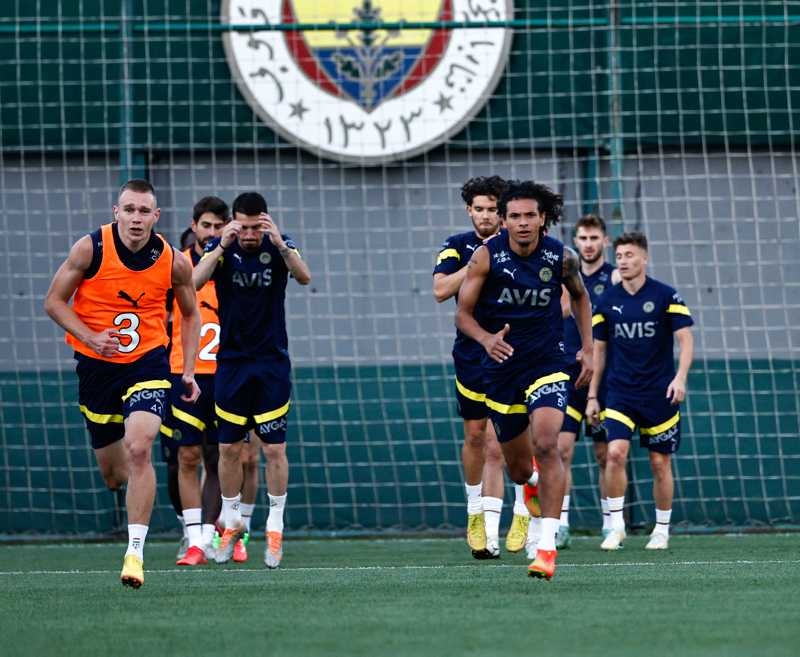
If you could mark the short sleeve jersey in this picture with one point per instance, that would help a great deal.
(453, 256)
(251, 291)
(596, 283)
(206, 362)
(524, 293)
(639, 327)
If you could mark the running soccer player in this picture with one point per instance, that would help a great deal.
(515, 280)
(481, 453)
(120, 275)
(638, 319)
(194, 425)
(252, 384)
(590, 240)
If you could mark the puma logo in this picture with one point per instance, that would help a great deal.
(510, 273)
(470, 247)
(124, 295)
(205, 304)
(617, 308)
(238, 257)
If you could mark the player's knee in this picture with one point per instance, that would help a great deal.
(566, 451)
(545, 450)
(230, 451)
(475, 439)
(520, 472)
(616, 455)
(189, 458)
(139, 454)
(274, 452)
(494, 455)
(661, 468)
(115, 478)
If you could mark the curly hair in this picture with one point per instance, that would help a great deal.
(482, 186)
(550, 203)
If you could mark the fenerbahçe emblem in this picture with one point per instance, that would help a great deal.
(366, 95)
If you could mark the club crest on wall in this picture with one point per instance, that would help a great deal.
(366, 94)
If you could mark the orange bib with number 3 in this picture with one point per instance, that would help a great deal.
(131, 303)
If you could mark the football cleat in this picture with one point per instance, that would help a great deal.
(274, 552)
(132, 572)
(544, 565)
(216, 540)
(605, 532)
(227, 544)
(563, 539)
(211, 550)
(240, 549)
(476, 535)
(195, 556)
(615, 540)
(532, 500)
(493, 547)
(657, 542)
(517, 533)
(183, 548)
(531, 547)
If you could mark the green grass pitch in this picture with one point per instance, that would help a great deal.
(705, 595)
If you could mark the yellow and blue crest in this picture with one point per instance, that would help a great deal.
(367, 65)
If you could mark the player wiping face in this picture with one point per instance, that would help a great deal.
(250, 231)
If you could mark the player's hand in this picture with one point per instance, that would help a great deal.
(106, 343)
(230, 233)
(495, 346)
(593, 412)
(269, 227)
(586, 358)
(676, 391)
(191, 385)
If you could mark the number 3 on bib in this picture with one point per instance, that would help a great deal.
(128, 331)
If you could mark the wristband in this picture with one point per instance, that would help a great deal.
(222, 247)
(591, 398)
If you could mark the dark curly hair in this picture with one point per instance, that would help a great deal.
(482, 186)
(550, 203)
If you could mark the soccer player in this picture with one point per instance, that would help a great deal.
(120, 275)
(481, 453)
(515, 280)
(638, 319)
(590, 240)
(194, 425)
(251, 263)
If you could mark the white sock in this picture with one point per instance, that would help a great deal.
(534, 478)
(564, 520)
(247, 515)
(231, 516)
(549, 531)
(194, 527)
(136, 536)
(606, 513)
(474, 500)
(535, 529)
(662, 522)
(519, 501)
(275, 518)
(208, 534)
(615, 507)
(492, 507)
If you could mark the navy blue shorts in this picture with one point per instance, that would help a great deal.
(253, 394)
(107, 396)
(659, 422)
(470, 397)
(513, 398)
(169, 452)
(192, 423)
(574, 415)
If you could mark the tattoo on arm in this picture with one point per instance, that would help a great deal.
(285, 252)
(471, 262)
(571, 272)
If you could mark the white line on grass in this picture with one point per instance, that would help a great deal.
(357, 568)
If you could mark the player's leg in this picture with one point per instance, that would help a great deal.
(250, 458)
(211, 496)
(601, 456)
(566, 449)
(113, 468)
(620, 424)
(189, 458)
(493, 489)
(660, 432)
(277, 476)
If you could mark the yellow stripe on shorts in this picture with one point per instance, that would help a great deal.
(266, 417)
(231, 417)
(474, 396)
(550, 378)
(611, 414)
(505, 409)
(574, 414)
(652, 431)
(178, 414)
(166, 431)
(147, 385)
(99, 418)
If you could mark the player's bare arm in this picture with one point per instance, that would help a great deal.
(446, 286)
(477, 271)
(294, 263)
(208, 263)
(676, 391)
(186, 298)
(66, 281)
(566, 303)
(582, 310)
(592, 405)
(616, 277)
